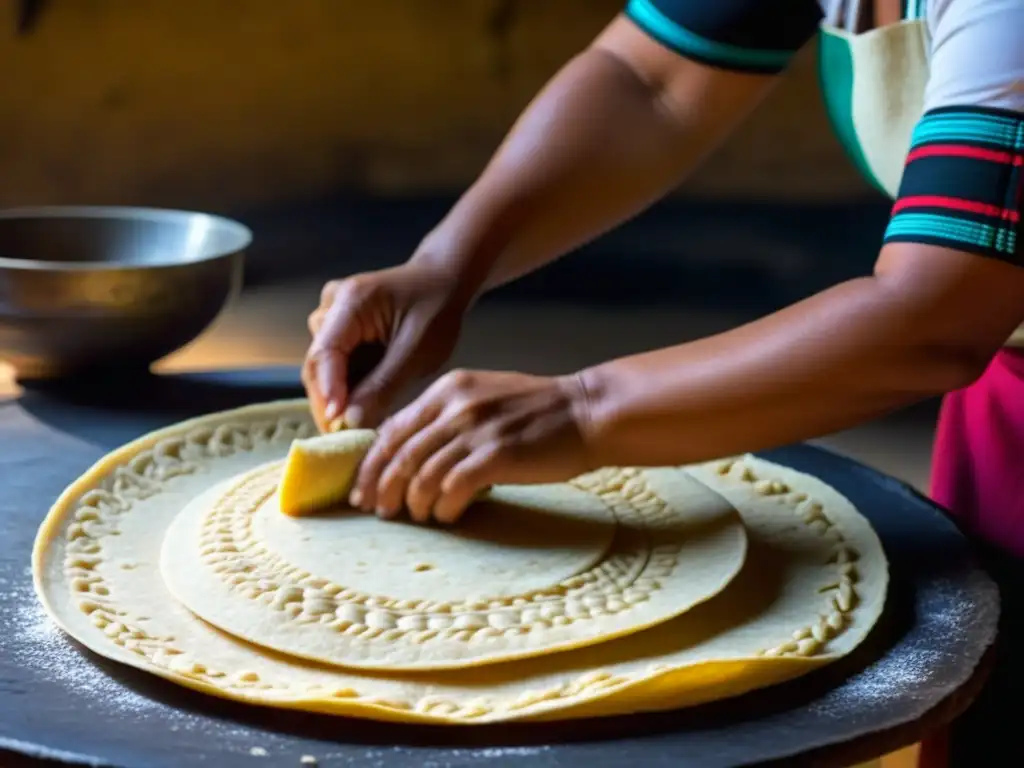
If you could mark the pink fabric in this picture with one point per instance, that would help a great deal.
(978, 460)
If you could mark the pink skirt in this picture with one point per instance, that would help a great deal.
(978, 475)
(978, 459)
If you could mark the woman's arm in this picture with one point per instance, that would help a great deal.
(926, 322)
(946, 293)
(614, 131)
(610, 134)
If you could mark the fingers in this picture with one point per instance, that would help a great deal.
(329, 291)
(338, 333)
(316, 317)
(316, 401)
(331, 382)
(320, 374)
(434, 473)
(392, 438)
(451, 479)
(463, 481)
(405, 308)
(316, 320)
(418, 448)
(468, 431)
(408, 463)
(425, 488)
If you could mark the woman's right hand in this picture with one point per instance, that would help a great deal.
(413, 310)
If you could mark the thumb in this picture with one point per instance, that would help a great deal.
(331, 372)
(371, 399)
(330, 351)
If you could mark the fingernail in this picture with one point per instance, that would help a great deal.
(331, 411)
(355, 498)
(381, 512)
(353, 416)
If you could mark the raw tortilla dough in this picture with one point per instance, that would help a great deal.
(319, 471)
(530, 570)
(812, 587)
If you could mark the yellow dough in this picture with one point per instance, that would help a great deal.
(319, 471)
(812, 586)
(530, 570)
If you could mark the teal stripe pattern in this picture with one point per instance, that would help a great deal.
(963, 183)
(913, 9)
(971, 127)
(666, 31)
(944, 230)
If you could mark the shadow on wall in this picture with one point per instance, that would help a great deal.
(758, 255)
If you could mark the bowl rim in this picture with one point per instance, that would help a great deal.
(242, 233)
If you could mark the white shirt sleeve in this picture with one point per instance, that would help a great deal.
(977, 54)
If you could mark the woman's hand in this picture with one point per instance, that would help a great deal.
(411, 309)
(471, 430)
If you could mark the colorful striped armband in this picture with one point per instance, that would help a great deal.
(736, 35)
(963, 183)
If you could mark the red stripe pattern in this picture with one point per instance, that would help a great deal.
(962, 183)
(961, 150)
(956, 204)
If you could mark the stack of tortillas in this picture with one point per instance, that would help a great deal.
(624, 590)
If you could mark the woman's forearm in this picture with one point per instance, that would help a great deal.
(596, 146)
(847, 355)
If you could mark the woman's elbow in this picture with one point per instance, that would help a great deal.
(949, 367)
(953, 310)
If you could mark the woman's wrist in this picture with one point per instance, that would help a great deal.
(593, 397)
(465, 258)
(463, 272)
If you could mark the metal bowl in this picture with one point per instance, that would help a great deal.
(85, 288)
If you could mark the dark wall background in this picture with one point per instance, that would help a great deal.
(341, 130)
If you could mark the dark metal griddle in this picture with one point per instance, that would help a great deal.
(61, 704)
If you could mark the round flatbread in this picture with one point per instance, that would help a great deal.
(529, 570)
(813, 585)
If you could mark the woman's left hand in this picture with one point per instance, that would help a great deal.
(471, 430)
